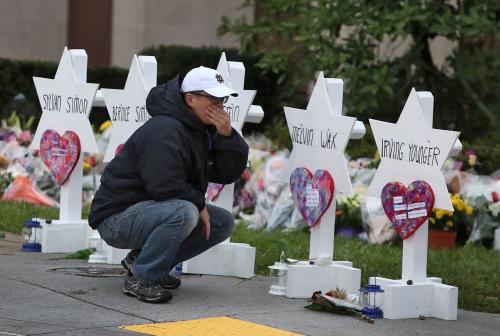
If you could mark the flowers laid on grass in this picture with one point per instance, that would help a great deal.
(349, 211)
(445, 220)
(5, 179)
(494, 206)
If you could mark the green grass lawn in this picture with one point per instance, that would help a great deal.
(14, 214)
(474, 269)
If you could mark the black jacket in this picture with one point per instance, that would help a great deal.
(168, 158)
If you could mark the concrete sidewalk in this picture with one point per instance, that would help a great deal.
(40, 295)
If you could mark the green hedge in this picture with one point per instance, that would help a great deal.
(487, 152)
(17, 77)
(173, 60)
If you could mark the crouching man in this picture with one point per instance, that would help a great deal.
(152, 194)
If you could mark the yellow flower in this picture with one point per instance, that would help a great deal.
(460, 206)
(105, 125)
(86, 165)
(440, 213)
(449, 224)
(455, 200)
(469, 210)
(432, 220)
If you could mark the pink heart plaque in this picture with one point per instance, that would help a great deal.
(213, 191)
(312, 194)
(60, 154)
(407, 208)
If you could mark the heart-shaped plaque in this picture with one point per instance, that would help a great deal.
(118, 148)
(60, 154)
(312, 194)
(407, 208)
(213, 191)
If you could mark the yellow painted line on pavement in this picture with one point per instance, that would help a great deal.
(211, 326)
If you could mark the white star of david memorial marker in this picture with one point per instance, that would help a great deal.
(229, 259)
(319, 135)
(127, 107)
(66, 102)
(412, 150)
(127, 111)
(233, 74)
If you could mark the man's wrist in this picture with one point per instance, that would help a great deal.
(227, 134)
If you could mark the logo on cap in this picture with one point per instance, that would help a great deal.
(219, 78)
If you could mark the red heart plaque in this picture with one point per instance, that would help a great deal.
(311, 194)
(407, 208)
(60, 154)
(213, 191)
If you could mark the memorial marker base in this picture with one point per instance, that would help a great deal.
(429, 298)
(304, 279)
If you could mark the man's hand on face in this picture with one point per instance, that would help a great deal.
(205, 219)
(220, 119)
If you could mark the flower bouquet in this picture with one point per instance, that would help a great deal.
(449, 226)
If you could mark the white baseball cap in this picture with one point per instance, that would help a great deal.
(208, 80)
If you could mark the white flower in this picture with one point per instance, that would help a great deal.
(494, 208)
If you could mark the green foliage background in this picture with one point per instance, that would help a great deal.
(16, 77)
(295, 39)
(173, 60)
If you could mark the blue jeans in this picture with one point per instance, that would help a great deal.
(167, 233)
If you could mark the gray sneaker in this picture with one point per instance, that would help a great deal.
(149, 294)
(169, 282)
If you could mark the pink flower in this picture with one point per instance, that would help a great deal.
(25, 136)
